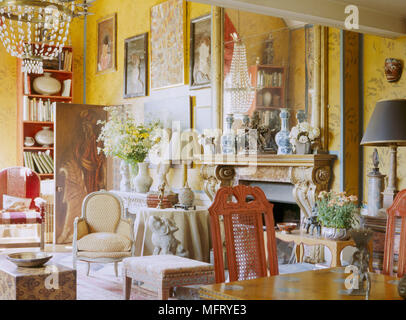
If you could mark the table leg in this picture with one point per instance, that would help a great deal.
(299, 253)
(335, 256)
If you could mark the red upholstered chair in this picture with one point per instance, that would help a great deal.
(244, 234)
(22, 183)
(396, 211)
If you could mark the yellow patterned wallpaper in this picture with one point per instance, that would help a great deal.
(334, 112)
(133, 18)
(8, 109)
(351, 112)
(376, 50)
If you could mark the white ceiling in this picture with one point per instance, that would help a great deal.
(391, 7)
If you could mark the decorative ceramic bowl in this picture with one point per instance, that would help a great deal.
(287, 227)
(29, 259)
(45, 137)
(47, 85)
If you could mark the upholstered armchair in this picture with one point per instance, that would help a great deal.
(102, 234)
(20, 189)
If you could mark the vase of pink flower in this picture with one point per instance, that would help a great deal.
(337, 214)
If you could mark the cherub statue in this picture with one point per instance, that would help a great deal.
(163, 238)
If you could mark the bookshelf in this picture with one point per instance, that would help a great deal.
(271, 79)
(36, 111)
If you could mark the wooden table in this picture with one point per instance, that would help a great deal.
(336, 247)
(51, 282)
(324, 284)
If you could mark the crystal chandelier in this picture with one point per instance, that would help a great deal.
(239, 87)
(33, 30)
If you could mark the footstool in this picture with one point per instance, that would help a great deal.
(161, 273)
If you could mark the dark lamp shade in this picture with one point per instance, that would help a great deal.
(387, 125)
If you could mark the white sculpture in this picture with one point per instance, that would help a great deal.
(163, 239)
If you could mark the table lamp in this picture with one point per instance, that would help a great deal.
(387, 127)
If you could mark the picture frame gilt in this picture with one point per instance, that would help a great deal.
(107, 44)
(136, 66)
(200, 52)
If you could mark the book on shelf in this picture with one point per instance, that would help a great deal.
(67, 62)
(51, 64)
(38, 110)
(40, 162)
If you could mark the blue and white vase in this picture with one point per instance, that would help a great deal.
(282, 138)
(228, 140)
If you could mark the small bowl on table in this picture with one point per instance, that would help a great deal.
(29, 259)
(287, 227)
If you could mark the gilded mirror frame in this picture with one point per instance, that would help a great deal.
(319, 108)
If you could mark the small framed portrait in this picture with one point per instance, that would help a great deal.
(136, 66)
(106, 44)
(200, 52)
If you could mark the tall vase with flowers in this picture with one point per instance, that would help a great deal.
(337, 214)
(131, 142)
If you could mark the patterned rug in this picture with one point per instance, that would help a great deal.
(101, 284)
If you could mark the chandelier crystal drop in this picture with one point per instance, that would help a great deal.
(33, 30)
(240, 89)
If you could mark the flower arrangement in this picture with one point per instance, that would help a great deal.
(124, 139)
(303, 133)
(337, 210)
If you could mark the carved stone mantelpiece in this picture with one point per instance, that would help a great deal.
(310, 174)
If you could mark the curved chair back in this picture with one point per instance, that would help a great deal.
(395, 212)
(102, 211)
(244, 233)
(20, 182)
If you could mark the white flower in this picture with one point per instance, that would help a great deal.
(311, 136)
(304, 127)
(294, 132)
(316, 132)
(303, 139)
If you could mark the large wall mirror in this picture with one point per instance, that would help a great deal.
(285, 60)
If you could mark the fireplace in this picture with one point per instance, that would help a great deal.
(286, 179)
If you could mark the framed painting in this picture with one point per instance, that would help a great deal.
(168, 44)
(136, 66)
(106, 44)
(200, 52)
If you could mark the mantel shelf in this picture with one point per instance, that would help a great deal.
(271, 160)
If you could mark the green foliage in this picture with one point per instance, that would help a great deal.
(336, 210)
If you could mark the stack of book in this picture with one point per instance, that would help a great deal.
(40, 162)
(38, 110)
(65, 62)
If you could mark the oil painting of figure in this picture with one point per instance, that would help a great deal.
(81, 169)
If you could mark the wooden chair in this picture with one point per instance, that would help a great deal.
(244, 234)
(396, 211)
(22, 183)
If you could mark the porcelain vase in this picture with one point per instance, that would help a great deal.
(335, 234)
(45, 137)
(303, 148)
(46, 85)
(186, 196)
(125, 185)
(267, 98)
(282, 137)
(143, 181)
(228, 142)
